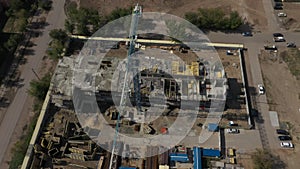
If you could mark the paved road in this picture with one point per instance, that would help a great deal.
(254, 45)
(55, 19)
(272, 19)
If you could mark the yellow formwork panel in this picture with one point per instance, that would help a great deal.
(192, 69)
(188, 69)
(195, 68)
(219, 74)
(175, 67)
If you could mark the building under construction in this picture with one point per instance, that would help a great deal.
(191, 84)
(169, 83)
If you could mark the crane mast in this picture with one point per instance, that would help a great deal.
(131, 65)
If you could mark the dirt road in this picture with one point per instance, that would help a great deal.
(55, 19)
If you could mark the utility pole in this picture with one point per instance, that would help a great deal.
(36, 75)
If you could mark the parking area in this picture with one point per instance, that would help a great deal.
(245, 141)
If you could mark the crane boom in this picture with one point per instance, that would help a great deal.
(129, 67)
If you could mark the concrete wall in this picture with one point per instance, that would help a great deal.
(245, 83)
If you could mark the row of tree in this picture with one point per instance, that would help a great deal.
(214, 19)
(19, 11)
(8, 47)
(264, 159)
(82, 21)
(58, 43)
(85, 21)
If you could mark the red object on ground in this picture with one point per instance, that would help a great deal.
(164, 130)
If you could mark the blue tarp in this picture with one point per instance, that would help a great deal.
(179, 157)
(212, 127)
(197, 158)
(211, 153)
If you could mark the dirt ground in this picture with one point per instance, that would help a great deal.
(292, 21)
(245, 160)
(251, 12)
(282, 90)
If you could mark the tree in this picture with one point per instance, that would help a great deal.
(23, 23)
(16, 4)
(2, 54)
(214, 19)
(57, 46)
(69, 26)
(263, 159)
(235, 20)
(22, 13)
(54, 53)
(72, 11)
(58, 34)
(39, 88)
(12, 42)
(82, 29)
(45, 4)
(193, 18)
(118, 13)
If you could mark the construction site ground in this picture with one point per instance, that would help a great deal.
(283, 91)
(231, 64)
(235, 102)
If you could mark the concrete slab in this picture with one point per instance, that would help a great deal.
(274, 118)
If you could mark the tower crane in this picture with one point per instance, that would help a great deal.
(130, 66)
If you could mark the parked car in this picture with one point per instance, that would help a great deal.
(281, 14)
(230, 52)
(284, 138)
(270, 47)
(278, 4)
(261, 89)
(278, 7)
(279, 39)
(231, 123)
(283, 132)
(232, 131)
(247, 34)
(230, 152)
(291, 45)
(286, 144)
(277, 35)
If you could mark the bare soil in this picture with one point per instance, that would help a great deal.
(292, 21)
(245, 160)
(251, 12)
(282, 90)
